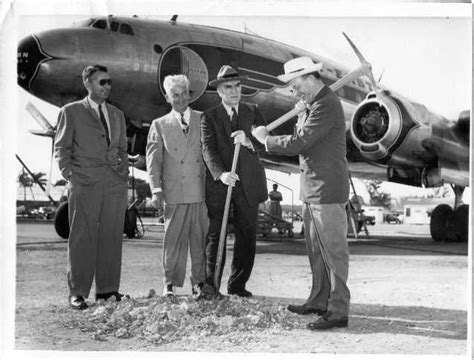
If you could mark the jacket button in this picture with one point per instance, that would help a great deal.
(301, 170)
(182, 162)
(103, 136)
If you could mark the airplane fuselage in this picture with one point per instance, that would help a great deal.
(140, 53)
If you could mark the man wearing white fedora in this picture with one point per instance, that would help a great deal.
(320, 141)
(231, 121)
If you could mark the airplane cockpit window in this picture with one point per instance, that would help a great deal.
(126, 29)
(100, 24)
(114, 26)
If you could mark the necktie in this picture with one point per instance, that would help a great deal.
(104, 124)
(185, 126)
(234, 120)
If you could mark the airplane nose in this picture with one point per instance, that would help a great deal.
(29, 58)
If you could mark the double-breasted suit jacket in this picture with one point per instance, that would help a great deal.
(98, 175)
(174, 160)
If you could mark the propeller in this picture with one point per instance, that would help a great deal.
(375, 85)
(47, 131)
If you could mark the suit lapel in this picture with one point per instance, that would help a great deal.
(175, 135)
(194, 126)
(223, 118)
(88, 106)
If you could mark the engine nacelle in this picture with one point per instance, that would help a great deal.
(388, 130)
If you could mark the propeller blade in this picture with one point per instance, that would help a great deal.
(375, 85)
(380, 77)
(48, 185)
(48, 129)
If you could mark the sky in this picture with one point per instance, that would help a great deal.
(426, 58)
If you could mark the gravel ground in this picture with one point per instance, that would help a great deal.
(409, 296)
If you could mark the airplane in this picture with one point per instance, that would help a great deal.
(389, 137)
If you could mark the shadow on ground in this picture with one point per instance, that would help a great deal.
(369, 246)
(401, 320)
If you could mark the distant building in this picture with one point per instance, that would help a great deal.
(418, 210)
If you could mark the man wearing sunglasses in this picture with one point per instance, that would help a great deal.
(91, 149)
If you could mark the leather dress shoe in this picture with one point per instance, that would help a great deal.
(77, 302)
(324, 323)
(241, 293)
(106, 296)
(305, 310)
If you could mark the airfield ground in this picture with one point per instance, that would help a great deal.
(409, 296)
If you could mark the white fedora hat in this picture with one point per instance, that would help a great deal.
(298, 67)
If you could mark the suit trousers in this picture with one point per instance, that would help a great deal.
(96, 220)
(245, 231)
(185, 226)
(328, 251)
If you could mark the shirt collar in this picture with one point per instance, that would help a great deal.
(177, 115)
(316, 95)
(228, 109)
(95, 105)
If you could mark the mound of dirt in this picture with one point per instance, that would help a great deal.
(162, 320)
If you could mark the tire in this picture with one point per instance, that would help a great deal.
(61, 220)
(440, 228)
(461, 223)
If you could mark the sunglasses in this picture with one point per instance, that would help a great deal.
(102, 82)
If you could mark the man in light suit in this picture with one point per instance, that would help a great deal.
(91, 149)
(177, 174)
(320, 141)
(231, 121)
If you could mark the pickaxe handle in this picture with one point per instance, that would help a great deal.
(282, 119)
(222, 237)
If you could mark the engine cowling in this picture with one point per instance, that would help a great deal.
(388, 130)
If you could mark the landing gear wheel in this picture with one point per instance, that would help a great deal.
(439, 223)
(61, 220)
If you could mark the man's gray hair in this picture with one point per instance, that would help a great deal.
(172, 80)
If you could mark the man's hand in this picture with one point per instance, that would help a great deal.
(157, 200)
(240, 137)
(229, 178)
(260, 133)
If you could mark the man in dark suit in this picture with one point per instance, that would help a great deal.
(221, 126)
(320, 141)
(91, 150)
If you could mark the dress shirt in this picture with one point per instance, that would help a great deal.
(177, 115)
(95, 106)
(229, 112)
